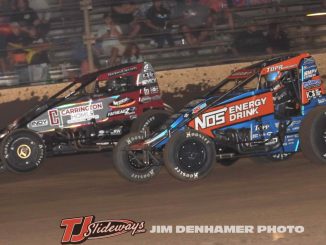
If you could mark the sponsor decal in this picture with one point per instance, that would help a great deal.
(121, 102)
(199, 108)
(312, 94)
(147, 67)
(310, 73)
(274, 68)
(322, 101)
(39, 123)
(126, 102)
(187, 175)
(81, 229)
(147, 91)
(116, 131)
(309, 63)
(154, 89)
(77, 114)
(54, 117)
(81, 109)
(126, 111)
(147, 82)
(262, 127)
(233, 113)
(311, 66)
(149, 75)
(311, 84)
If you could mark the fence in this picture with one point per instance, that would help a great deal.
(49, 46)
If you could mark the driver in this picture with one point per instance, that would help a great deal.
(280, 83)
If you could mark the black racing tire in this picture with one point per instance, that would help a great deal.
(313, 135)
(227, 162)
(272, 158)
(153, 119)
(189, 155)
(22, 151)
(126, 165)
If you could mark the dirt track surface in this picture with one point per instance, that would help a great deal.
(287, 193)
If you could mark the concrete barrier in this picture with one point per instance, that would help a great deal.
(170, 81)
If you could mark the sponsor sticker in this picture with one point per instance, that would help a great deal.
(232, 113)
(199, 108)
(309, 73)
(121, 102)
(311, 84)
(126, 111)
(39, 123)
(274, 68)
(312, 94)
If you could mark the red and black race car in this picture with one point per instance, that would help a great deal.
(88, 115)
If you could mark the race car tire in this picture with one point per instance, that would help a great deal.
(189, 155)
(125, 163)
(22, 151)
(313, 135)
(152, 119)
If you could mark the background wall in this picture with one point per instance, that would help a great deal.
(174, 83)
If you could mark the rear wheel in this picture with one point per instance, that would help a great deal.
(151, 119)
(131, 164)
(313, 135)
(22, 151)
(189, 155)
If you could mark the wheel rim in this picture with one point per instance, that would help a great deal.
(192, 156)
(23, 154)
(135, 159)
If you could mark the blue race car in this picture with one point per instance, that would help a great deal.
(271, 109)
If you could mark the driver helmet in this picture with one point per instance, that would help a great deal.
(272, 79)
(113, 86)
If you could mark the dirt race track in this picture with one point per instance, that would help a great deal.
(287, 193)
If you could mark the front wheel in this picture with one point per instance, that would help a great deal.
(313, 135)
(131, 164)
(22, 151)
(189, 155)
